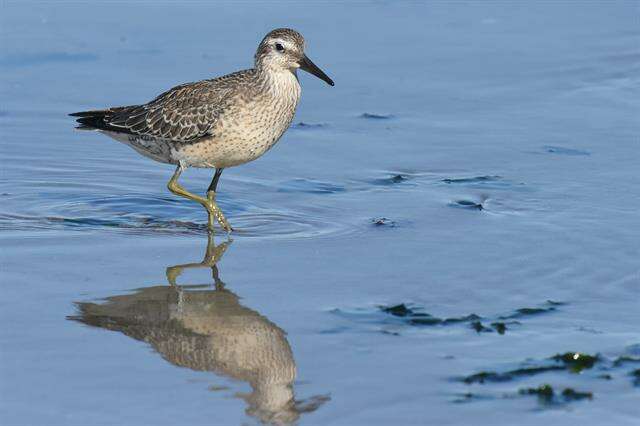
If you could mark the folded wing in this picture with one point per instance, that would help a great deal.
(184, 113)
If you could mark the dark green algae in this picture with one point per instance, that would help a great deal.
(547, 395)
(415, 316)
(574, 362)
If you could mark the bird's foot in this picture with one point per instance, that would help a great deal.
(215, 214)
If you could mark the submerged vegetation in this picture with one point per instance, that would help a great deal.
(391, 319)
(412, 315)
(571, 362)
(372, 116)
(574, 362)
(547, 395)
(383, 221)
(415, 316)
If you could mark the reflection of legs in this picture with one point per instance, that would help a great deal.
(216, 278)
(211, 257)
(208, 203)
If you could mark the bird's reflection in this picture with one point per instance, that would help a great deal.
(207, 329)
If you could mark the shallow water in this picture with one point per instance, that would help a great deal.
(458, 210)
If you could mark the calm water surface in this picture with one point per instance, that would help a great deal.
(449, 229)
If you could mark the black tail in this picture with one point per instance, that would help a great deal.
(91, 120)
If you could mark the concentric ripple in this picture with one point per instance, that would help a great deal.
(148, 215)
(286, 225)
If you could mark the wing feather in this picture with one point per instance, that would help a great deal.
(184, 113)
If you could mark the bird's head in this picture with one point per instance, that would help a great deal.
(283, 49)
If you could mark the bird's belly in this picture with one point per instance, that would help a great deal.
(222, 153)
(231, 145)
(157, 149)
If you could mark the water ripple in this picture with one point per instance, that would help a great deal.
(149, 215)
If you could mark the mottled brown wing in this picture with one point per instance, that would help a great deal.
(182, 114)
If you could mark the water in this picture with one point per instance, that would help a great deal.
(458, 210)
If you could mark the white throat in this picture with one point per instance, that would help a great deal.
(283, 83)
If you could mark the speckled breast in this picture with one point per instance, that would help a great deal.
(248, 128)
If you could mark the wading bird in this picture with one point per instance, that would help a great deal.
(217, 123)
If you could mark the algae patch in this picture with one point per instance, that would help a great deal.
(373, 116)
(467, 204)
(547, 395)
(574, 362)
(398, 178)
(393, 178)
(626, 359)
(383, 221)
(415, 316)
(305, 125)
(500, 327)
(544, 392)
(412, 315)
(476, 179)
(548, 306)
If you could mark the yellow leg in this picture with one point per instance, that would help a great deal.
(208, 203)
(211, 198)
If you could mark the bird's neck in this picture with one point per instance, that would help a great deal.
(279, 81)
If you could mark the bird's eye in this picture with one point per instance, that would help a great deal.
(279, 47)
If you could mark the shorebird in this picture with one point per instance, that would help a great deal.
(217, 123)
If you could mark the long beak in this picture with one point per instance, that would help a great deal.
(312, 68)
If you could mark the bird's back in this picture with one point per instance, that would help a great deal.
(183, 113)
(219, 122)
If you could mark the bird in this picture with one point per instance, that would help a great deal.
(215, 123)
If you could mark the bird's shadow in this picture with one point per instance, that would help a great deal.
(205, 328)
